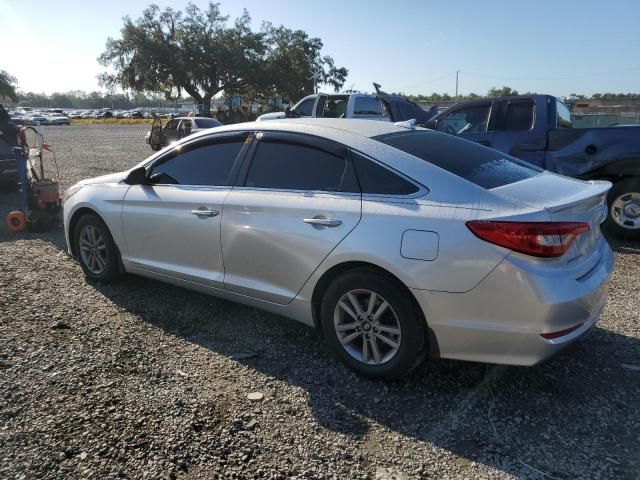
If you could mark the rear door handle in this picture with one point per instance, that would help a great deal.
(486, 143)
(205, 212)
(323, 222)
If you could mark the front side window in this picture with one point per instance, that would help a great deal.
(472, 119)
(367, 106)
(519, 116)
(485, 167)
(290, 166)
(336, 107)
(172, 124)
(305, 108)
(563, 115)
(208, 164)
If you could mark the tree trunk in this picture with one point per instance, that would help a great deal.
(206, 106)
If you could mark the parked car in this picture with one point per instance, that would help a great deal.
(37, 119)
(538, 129)
(394, 242)
(160, 136)
(381, 106)
(58, 119)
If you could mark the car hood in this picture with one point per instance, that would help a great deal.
(111, 178)
(401, 109)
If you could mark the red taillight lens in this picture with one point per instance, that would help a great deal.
(539, 239)
(561, 333)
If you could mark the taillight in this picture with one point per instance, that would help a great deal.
(561, 333)
(539, 239)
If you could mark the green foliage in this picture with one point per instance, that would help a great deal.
(199, 52)
(7, 86)
(80, 100)
(501, 92)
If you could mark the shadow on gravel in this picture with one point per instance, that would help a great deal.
(575, 416)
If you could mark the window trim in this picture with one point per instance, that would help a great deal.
(308, 140)
(200, 142)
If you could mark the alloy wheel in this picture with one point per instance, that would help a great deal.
(93, 249)
(367, 327)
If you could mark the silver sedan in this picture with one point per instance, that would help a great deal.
(396, 243)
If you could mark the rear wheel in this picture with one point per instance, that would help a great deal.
(623, 220)
(96, 250)
(370, 323)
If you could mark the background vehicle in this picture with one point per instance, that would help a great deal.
(160, 136)
(538, 129)
(370, 231)
(381, 106)
(58, 119)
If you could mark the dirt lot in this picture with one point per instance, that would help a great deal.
(143, 380)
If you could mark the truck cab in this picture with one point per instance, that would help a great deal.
(322, 105)
(538, 129)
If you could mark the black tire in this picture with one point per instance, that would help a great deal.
(619, 189)
(111, 269)
(412, 349)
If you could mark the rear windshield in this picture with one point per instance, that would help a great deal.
(483, 166)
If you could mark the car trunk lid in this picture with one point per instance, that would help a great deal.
(565, 200)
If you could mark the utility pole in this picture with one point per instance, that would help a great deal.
(457, 73)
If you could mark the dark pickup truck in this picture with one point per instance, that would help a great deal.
(538, 129)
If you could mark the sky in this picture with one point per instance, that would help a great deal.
(555, 47)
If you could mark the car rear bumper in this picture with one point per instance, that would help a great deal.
(502, 320)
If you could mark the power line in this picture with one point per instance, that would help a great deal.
(427, 82)
(568, 77)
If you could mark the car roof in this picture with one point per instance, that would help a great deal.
(364, 128)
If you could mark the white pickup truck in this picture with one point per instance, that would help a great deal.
(381, 106)
(321, 105)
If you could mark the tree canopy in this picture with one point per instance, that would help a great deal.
(201, 53)
(7, 86)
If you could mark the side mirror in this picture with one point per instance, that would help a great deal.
(137, 176)
(430, 124)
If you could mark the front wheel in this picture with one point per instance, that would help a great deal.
(623, 200)
(96, 250)
(370, 323)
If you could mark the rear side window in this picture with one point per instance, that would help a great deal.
(291, 166)
(519, 116)
(208, 164)
(483, 166)
(378, 180)
(367, 106)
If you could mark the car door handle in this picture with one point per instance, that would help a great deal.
(323, 222)
(486, 143)
(205, 212)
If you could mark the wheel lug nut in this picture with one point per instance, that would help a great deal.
(368, 335)
(359, 329)
(375, 329)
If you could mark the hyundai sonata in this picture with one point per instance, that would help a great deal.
(395, 242)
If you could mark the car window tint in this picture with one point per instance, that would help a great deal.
(204, 165)
(305, 108)
(483, 166)
(208, 123)
(519, 116)
(379, 180)
(471, 119)
(367, 106)
(290, 166)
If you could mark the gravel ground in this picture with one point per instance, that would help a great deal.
(143, 380)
